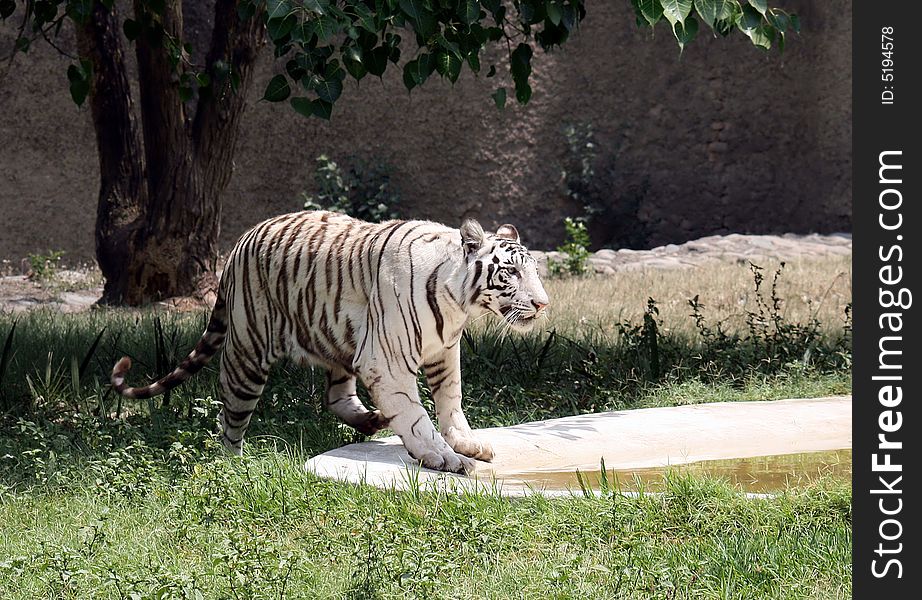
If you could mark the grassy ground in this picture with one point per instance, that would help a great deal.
(262, 528)
(818, 288)
(102, 498)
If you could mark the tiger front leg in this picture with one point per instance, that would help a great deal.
(398, 401)
(444, 377)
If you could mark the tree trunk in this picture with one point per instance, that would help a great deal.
(159, 203)
(122, 189)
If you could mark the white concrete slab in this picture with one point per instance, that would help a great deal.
(631, 439)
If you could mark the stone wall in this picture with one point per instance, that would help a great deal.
(725, 138)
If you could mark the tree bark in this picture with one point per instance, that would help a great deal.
(122, 189)
(160, 200)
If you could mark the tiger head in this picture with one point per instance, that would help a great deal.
(503, 276)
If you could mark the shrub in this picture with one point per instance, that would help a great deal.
(42, 267)
(363, 191)
(607, 196)
(576, 249)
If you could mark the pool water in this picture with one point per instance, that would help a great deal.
(760, 474)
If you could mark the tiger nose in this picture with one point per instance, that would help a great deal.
(538, 305)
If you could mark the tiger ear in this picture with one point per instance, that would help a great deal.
(472, 236)
(508, 232)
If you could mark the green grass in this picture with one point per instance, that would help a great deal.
(107, 498)
(262, 528)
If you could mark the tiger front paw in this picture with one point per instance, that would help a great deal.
(446, 461)
(468, 444)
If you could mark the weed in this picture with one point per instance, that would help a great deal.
(42, 267)
(575, 249)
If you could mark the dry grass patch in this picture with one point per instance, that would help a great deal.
(814, 288)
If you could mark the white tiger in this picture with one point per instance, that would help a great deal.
(375, 301)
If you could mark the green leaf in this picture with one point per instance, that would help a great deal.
(278, 9)
(762, 36)
(712, 10)
(795, 23)
(278, 28)
(353, 53)
(423, 20)
(520, 65)
(749, 20)
(328, 89)
(685, 32)
(185, 93)
(448, 46)
(366, 19)
(302, 106)
(469, 11)
(779, 20)
(79, 83)
(376, 61)
(322, 109)
(332, 70)
(355, 68)
(728, 18)
(473, 61)
(324, 27)
(676, 11)
(317, 6)
(499, 97)
(412, 8)
(22, 44)
(554, 13)
(759, 5)
(448, 65)
(7, 7)
(730, 9)
(523, 93)
(650, 10)
(418, 70)
(551, 35)
(278, 89)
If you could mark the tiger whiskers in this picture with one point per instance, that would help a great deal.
(509, 319)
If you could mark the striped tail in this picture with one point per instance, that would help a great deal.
(207, 346)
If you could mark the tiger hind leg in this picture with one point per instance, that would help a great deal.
(242, 380)
(343, 401)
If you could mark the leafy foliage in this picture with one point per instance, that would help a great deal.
(579, 168)
(362, 192)
(43, 266)
(770, 338)
(764, 26)
(323, 42)
(576, 249)
(593, 181)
